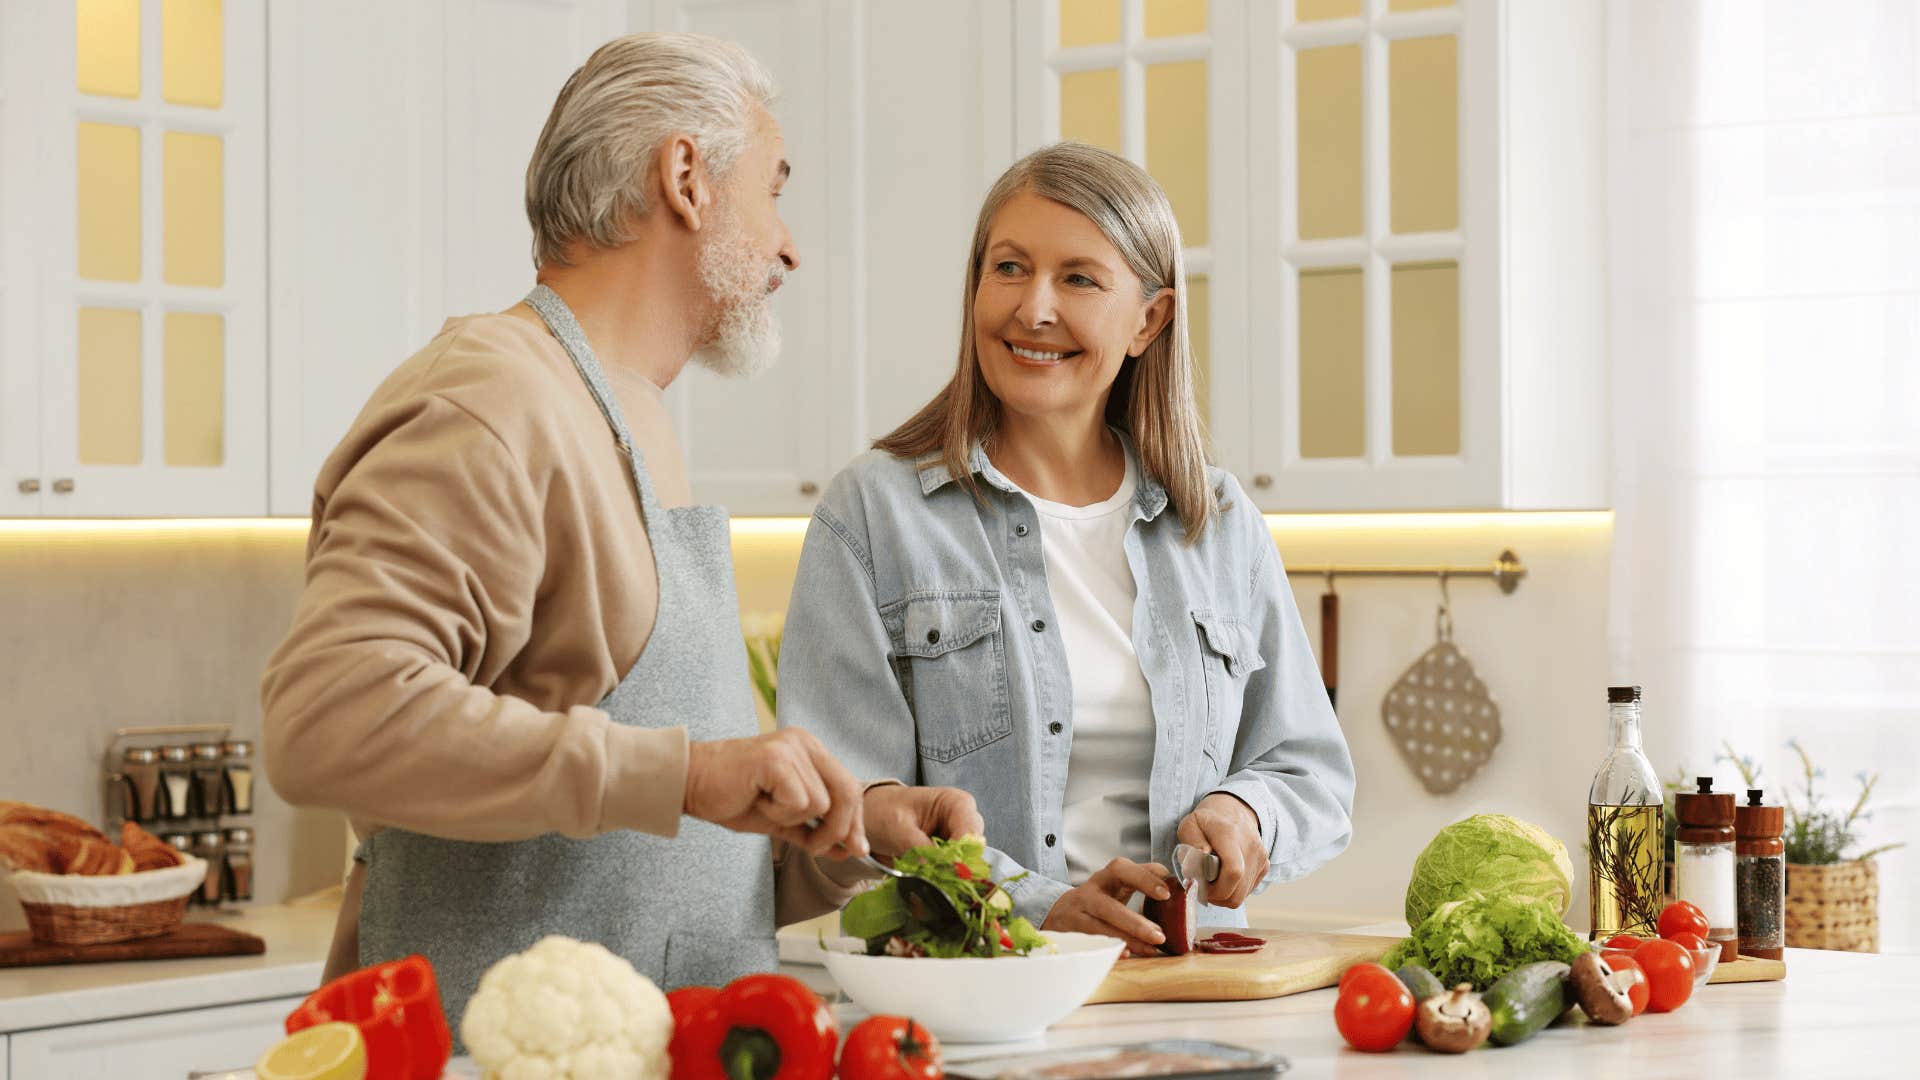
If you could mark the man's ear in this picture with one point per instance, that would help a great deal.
(682, 175)
(1153, 319)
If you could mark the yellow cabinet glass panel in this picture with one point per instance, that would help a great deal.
(1417, 5)
(192, 55)
(194, 389)
(1314, 10)
(1333, 396)
(1426, 359)
(193, 209)
(1176, 18)
(107, 47)
(108, 372)
(1089, 22)
(1200, 339)
(1423, 133)
(1090, 107)
(108, 201)
(1329, 151)
(1177, 142)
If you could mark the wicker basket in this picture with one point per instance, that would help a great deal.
(1834, 907)
(79, 909)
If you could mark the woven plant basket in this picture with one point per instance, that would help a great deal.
(1834, 907)
(76, 909)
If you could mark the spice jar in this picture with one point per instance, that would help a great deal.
(140, 772)
(209, 846)
(176, 783)
(1761, 877)
(239, 876)
(209, 781)
(1703, 863)
(239, 776)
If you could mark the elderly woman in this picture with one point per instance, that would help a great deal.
(1038, 591)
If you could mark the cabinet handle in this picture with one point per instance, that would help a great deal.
(63, 486)
(30, 486)
(809, 488)
(1263, 481)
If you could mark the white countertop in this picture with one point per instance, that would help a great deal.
(296, 937)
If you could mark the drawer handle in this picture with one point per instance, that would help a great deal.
(30, 486)
(1263, 481)
(63, 486)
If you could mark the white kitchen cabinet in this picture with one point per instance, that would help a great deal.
(164, 1044)
(399, 140)
(133, 259)
(1401, 286)
(6, 1058)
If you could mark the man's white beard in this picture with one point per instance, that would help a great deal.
(745, 338)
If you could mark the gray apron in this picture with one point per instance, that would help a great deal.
(694, 910)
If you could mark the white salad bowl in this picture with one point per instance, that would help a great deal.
(973, 999)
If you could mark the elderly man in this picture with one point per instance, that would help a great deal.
(517, 663)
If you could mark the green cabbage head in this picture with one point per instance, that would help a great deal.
(1494, 855)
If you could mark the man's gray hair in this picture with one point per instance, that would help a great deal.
(590, 169)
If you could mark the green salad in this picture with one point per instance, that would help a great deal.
(893, 921)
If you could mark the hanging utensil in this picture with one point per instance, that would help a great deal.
(1439, 713)
(1330, 642)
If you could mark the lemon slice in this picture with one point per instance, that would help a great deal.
(322, 1052)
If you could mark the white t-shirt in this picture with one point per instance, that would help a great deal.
(1111, 759)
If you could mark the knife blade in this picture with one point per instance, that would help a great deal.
(1196, 868)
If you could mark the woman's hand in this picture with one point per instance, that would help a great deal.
(1100, 905)
(1227, 827)
(899, 817)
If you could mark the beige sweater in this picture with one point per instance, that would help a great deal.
(478, 575)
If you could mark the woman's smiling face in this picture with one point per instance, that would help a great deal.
(1057, 310)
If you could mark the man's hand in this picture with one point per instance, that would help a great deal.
(1100, 905)
(775, 784)
(900, 817)
(1227, 827)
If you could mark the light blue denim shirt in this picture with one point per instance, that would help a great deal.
(921, 644)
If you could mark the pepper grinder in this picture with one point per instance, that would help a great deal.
(176, 783)
(209, 781)
(1703, 863)
(1762, 877)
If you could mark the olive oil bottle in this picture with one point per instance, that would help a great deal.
(1626, 829)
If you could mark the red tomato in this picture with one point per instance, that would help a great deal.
(1374, 1011)
(1629, 942)
(890, 1048)
(1638, 991)
(1681, 917)
(1689, 941)
(1669, 971)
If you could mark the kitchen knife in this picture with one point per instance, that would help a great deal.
(1195, 867)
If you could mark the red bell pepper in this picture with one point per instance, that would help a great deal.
(396, 1006)
(761, 1027)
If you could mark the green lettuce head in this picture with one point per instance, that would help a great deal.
(1494, 855)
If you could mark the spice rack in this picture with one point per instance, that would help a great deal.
(192, 786)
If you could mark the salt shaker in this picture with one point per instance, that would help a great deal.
(1762, 877)
(239, 781)
(176, 783)
(1703, 863)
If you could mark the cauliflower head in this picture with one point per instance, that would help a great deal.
(568, 1009)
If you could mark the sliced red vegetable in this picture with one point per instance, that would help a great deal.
(396, 1006)
(963, 871)
(1178, 917)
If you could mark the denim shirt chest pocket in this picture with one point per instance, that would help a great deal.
(951, 657)
(1229, 655)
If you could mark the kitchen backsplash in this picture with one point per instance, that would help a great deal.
(110, 627)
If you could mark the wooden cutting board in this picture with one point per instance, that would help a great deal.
(1290, 963)
(191, 939)
(1748, 969)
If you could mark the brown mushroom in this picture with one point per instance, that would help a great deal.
(1601, 992)
(1454, 1022)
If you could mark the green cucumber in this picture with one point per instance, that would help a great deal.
(1420, 982)
(1527, 999)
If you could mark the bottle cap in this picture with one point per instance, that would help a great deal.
(1753, 796)
(1706, 784)
(1622, 695)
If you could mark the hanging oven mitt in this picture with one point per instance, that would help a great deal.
(1440, 715)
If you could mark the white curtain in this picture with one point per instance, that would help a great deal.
(1764, 263)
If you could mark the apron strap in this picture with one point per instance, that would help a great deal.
(566, 329)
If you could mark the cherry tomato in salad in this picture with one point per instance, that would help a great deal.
(890, 1048)
(1374, 1011)
(1638, 991)
(1681, 917)
(963, 871)
(1629, 942)
(1669, 969)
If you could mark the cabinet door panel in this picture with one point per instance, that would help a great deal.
(168, 1044)
(22, 486)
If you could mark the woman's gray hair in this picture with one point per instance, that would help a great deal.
(590, 169)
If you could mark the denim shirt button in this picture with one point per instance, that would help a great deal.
(1019, 530)
(933, 637)
(1055, 727)
(1039, 626)
(1050, 839)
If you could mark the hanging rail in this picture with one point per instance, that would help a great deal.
(1506, 571)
